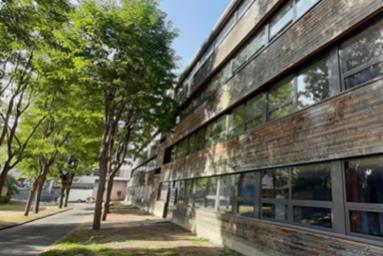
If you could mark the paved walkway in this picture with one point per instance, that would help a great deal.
(34, 237)
(130, 231)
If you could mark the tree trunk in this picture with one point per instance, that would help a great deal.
(30, 198)
(103, 164)
(108, 197)
(38, 195)
(67, 196)
(69, 187)
(62, 193)
(3, 176)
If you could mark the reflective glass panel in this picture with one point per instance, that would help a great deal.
(363, 54)
(313, 84)
(275, 184)
(364, 180)
(211, 192)
(313, 216)
(368, 223)
(276, 211)
(304, 5)
(280, 100)
(311, 182)
(281, 19)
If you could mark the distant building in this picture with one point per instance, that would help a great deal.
(82, 188)
(118, 191)
(278, 149)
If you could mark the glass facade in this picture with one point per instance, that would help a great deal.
(211, 193)
(299, 195)
(364, 180)
(246, 194)
(367, 223)
(280, 100)
(313, 216)
(275, 211)
(311, 182)
(362, 56)
(313, 84)
(275, 184)
(283, 18)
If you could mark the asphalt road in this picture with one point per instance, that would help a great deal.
(35, 237)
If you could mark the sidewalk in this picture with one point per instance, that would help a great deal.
(130, 231)
(35, 237)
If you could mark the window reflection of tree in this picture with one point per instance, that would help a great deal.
(281, 100)
(313, 85)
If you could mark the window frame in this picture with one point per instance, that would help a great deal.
(374, 61)
(232, 198)
(255, 199)
(291, 203)
(355, 206)
(289, 79)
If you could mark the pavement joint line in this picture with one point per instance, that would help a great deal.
(38, 218)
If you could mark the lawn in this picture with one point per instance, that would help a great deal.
(13, 213)
(132, 232)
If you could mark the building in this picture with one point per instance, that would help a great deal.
(279, 145)
(119, 189)
(82, 188)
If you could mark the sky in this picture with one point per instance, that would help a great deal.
(194, 20)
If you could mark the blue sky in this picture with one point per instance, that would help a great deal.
(194, 19)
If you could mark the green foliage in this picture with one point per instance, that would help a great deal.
(117, 59)
(89, 66)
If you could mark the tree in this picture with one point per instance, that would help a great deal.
(129, 142)
(122, 58)
(43, 149)
(24, 27)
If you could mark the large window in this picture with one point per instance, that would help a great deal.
(280, 100)
(218, 130)
(283, 18)
(227, 192)
(364, 191)
(366, 222)
(211, 193)
(275, 184)
(362, 56)
(255, 111)
(198, 141)
(183, 148)
(199, 192)
(247, 192)
(313, 216)
(275, 191)
(254, 46)
(301, 195)
(236, 121)
(313, 84)
(311, 182)
(312, 195)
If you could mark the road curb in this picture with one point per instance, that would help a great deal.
(38, 218)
